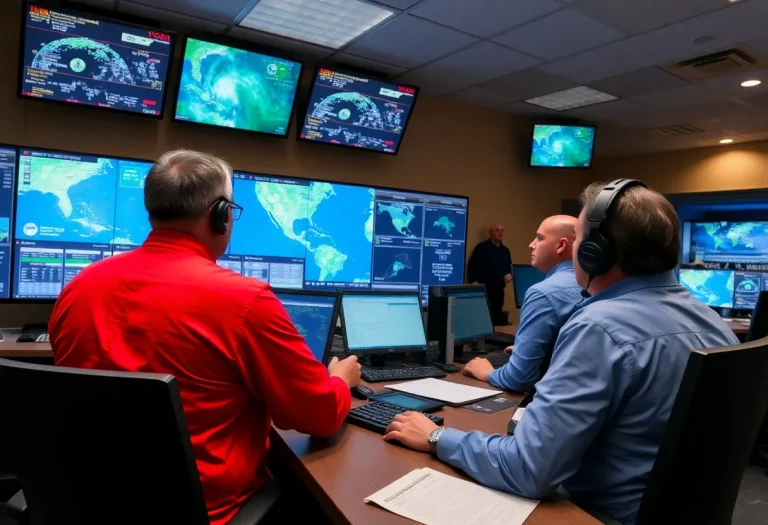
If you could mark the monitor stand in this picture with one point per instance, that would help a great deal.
(465, 353)
(380, 361)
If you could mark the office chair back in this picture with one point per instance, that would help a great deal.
(758, 326)
(714, 421)
(95, 447)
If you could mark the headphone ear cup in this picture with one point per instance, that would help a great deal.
(219, 217)
(595, 255)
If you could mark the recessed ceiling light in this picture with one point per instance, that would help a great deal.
(751, 83)
(726, 141)
(328, 23)
(577, 97)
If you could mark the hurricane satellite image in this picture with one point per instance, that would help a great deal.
(331, 225)
(562, 146)
(4, 229)
(310, 321)
(65, 197)
(357, 111)
(234, 88)
(399, 219)
(397, 265)
(79, 59)
(444, 223)
(712, 287)
(730, 241)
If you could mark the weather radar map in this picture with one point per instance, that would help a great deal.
(353, 110)
(738, 242)
(562, 146)
(712, 287)
(234, 88)
(81, 59)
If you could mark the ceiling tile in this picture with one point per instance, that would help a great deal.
(482, 97)
(529, 84)
(575, 32)
(170, 19)
(469, 66)
(279, 42)
(483, 18)
(640, 82)
(740, 23)
(366, 63)
(103, 4)
(397, 4)
(522, 109)
(613, 110)
(223, 11)
(408, 41)
(639, 16)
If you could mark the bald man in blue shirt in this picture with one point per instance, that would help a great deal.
(601, 410)
(546, 308)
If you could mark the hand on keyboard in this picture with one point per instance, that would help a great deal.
(412, 429)
(509, 349)
(479, 368)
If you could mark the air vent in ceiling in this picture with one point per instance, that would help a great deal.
(728, 62)
(678, 131)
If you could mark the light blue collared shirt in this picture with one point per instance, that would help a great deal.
(546, 308)
(600, 412)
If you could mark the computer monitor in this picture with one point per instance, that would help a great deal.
(470, 315)
(523, 277)
(743, 242)
(314, 316)
(382, 322)
(714, 288)
(562, 146)
(746, 289)
(7, 182)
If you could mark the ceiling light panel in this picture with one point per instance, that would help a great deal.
(577, 97)
(329, 23)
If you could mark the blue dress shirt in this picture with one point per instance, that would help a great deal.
(546, 308)
(600, 412)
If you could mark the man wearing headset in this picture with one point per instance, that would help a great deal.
(600, 412)
(167, 307)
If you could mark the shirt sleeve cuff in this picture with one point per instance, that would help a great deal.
(493, 379)
(448, 442)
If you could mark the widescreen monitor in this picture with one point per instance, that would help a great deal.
(726, 242)
(562, 146)
(471, 315)
(523, 277)
(229, 87)
(355, 110)
(376, 323)
(714, 288)
(314, 316)
(72, 210)
(7, 182)
(79, 58)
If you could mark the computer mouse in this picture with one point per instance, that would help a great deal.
(361, 392)
(448, 369)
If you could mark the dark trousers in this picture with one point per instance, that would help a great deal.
(496, 304)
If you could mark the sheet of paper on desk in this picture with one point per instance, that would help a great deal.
(434, 498)
(444, 391)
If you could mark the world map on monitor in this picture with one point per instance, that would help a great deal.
(712, 287)
(726, 241)
(400, 219)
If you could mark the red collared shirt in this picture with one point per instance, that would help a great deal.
(239, 362)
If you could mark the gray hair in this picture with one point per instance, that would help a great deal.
(183, 184)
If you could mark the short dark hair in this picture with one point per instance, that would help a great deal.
(642, 227)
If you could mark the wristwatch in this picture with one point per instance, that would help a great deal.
(434, 437)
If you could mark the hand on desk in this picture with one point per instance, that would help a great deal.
(508, 278)
(509, 349)
(479, 368)
(412, 430)
(347, 369)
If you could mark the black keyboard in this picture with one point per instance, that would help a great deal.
(398, 374)
(34, 338)
(498, 360)
(377, 416)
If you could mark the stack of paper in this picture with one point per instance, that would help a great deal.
(434, 498)
(452, 393)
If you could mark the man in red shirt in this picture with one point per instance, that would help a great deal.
(166, 307)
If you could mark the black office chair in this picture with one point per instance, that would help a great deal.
(717, 413)
(758, 328)
(93, 447)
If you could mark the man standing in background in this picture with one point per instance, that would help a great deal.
(491, 265)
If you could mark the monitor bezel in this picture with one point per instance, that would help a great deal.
(302, 117)
(80, 11)
(240, 46)
(334, 316)
(360, 353)
(563, 124)
(454, 287)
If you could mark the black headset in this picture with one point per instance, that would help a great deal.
(220, 216)
(596, 255)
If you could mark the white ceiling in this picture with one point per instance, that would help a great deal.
(497, 53)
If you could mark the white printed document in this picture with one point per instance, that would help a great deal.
(445, 391)
(434, 498)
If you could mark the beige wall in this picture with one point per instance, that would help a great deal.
(449, 148)
(735, 167)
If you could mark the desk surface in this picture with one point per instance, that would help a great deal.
(738, 327)
(10, 348)
(342, 471)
